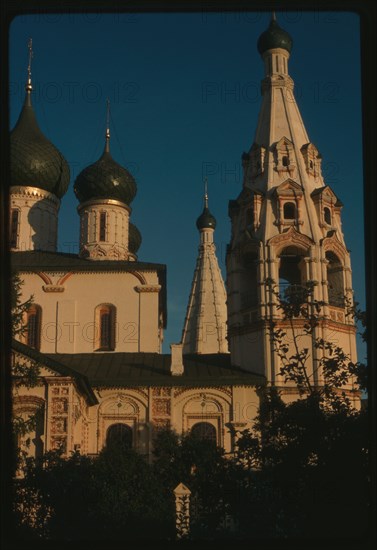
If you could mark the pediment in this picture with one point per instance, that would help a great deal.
(283, 143)
(331, 243)
(289, 238)
(327, 193)
(289, 187)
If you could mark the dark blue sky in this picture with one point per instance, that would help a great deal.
(185, 96)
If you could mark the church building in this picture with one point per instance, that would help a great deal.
(97, 320)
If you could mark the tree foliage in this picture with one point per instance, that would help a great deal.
(18, 307)
(309, 457)
(25, 374)
(114, 496)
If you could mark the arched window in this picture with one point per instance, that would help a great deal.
(289, 211)
(119, 435)
(285, 160)
(327, 215)
(102, 226)
(14, 226)
(204, 431)
(33, 326)
(335, 280)
(105, 324)
(291, 274)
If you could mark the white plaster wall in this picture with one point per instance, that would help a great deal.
(68, 317)
(38, 222)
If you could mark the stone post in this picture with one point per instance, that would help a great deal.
(182, 510)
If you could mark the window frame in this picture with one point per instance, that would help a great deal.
(100, 311)
(33, 340)
(102, 233)
(14, 229)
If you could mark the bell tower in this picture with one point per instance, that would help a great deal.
(286, 227)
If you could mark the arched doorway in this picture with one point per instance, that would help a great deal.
(119, 435)
(204, 431)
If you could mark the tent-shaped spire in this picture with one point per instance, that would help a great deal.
(204, 329)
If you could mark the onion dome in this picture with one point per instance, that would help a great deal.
(105, 179)
(206, 220)
(134, 238)
(34, 160)
(274, 37)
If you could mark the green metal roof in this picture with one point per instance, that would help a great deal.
(34, 160)
(34, 259)
(134, 238)
(274, 37)
(105, 179)
(111, 369)
(206, 220)
(54, 364)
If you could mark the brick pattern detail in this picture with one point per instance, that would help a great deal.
(161, 407)
(59, 417)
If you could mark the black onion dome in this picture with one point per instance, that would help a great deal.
(105, 179)
(134, 238)
(274, 37)
(34, 160)
(206, 220)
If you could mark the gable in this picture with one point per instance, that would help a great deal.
(289, 188)
(51, 367)
(327, 193)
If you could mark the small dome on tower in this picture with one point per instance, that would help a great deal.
(134, 238)
(206, 220)
(274, 37)
(34, 160)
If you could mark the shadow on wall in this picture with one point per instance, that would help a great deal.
(43, 222)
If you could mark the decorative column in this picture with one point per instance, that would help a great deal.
(182, 510)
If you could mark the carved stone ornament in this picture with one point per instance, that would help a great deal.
(148, 288)
(333, 244)
(52, 288)
(290, 237)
